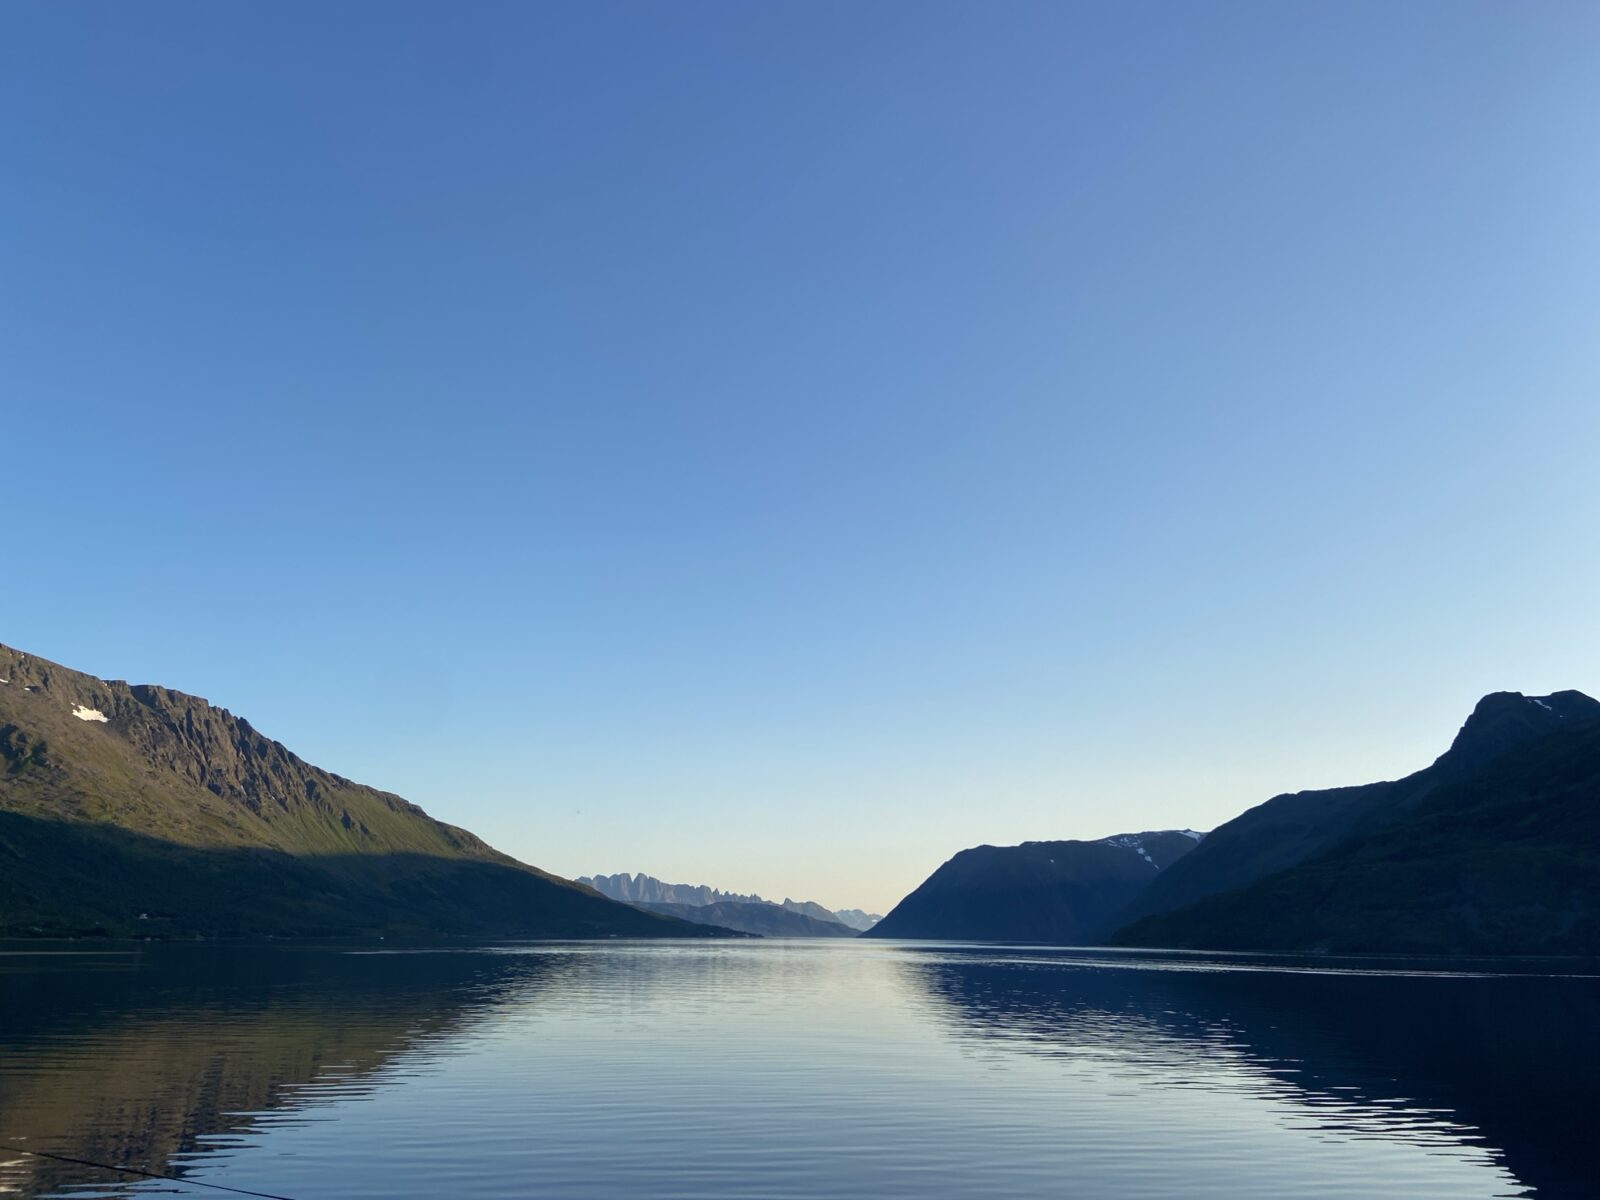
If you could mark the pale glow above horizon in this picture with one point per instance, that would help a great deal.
(808, 450)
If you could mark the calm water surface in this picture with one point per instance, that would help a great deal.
(791, 1069)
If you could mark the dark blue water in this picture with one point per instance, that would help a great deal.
(791, 1069)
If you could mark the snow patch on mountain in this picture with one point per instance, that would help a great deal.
(1139, 842)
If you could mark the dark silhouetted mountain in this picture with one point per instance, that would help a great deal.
(138, 809)
(1498, 854)
(1292, 829)
(762, 918)
(1064, 892)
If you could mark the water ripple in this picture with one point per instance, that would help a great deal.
(790, 1069)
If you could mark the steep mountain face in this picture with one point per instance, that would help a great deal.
(744, 913)
(1294, 828)
(1067, 892)
(1500, 857)
(647, 889)
(762, 918)
(138, 809)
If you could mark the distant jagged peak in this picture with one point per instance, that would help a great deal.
(815, 911)
(647, 889)
(857, 919)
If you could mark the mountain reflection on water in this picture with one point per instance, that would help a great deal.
(1494, 1054)
(159, 1056)
(788, 1069)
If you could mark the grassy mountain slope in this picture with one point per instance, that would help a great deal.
(1503, 859)
(137, 809)
(1062, 892)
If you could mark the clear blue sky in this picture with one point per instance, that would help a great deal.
(777, 445)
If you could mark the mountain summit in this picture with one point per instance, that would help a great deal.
(1503, 721)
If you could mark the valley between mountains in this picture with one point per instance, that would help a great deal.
(137, 810)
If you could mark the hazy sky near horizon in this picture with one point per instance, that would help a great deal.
(778, 445)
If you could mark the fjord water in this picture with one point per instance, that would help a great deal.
(790, 1069)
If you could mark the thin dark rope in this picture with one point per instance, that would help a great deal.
(85, 1162)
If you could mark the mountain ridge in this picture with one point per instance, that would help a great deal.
(1294, 827)
(1048, 891)
(1494, 849)
(119, 800)
(648, 891)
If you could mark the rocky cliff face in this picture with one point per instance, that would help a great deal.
(173, 765)
(136, 808)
